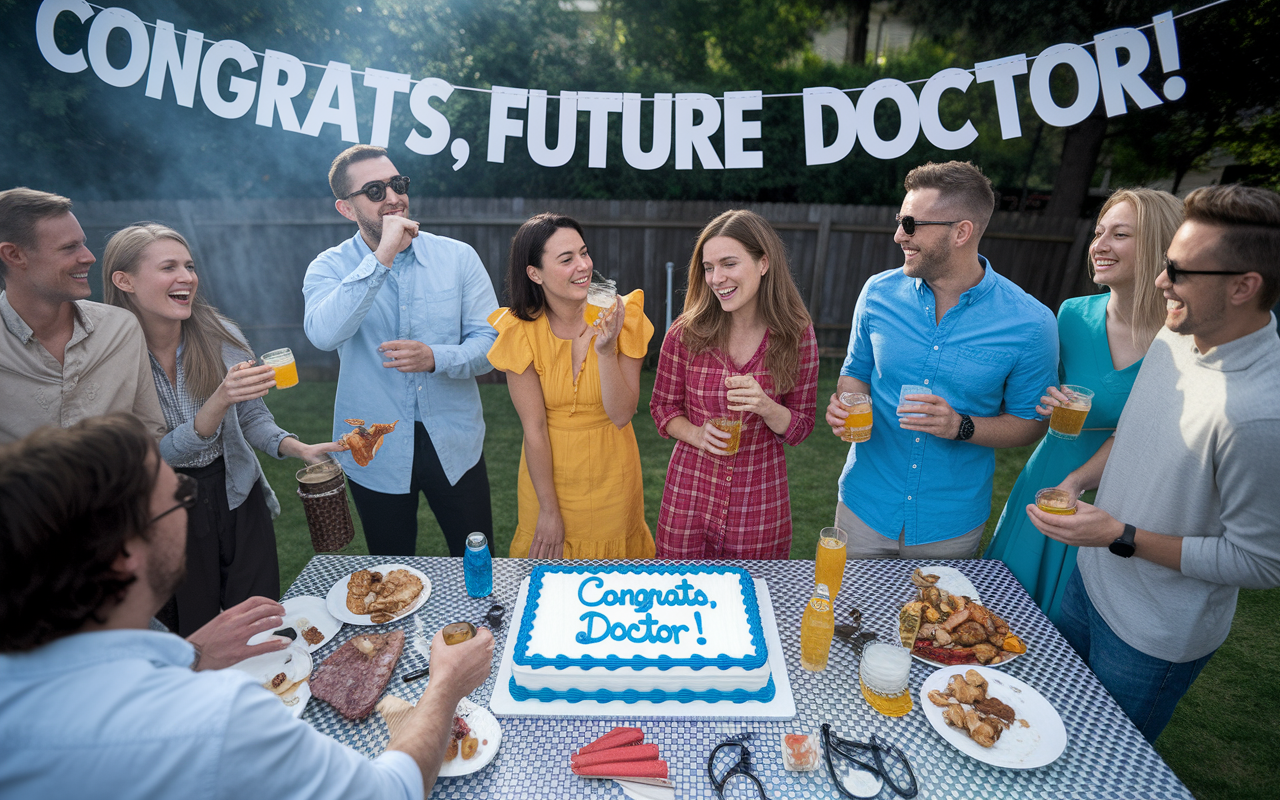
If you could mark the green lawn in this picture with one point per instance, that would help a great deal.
(1220, 742)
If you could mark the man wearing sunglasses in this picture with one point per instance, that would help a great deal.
(1187, 508)
(93, 704)
(407, 312)
(981, 349)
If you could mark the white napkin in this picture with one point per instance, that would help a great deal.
(646, 791)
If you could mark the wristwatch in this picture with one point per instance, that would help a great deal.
(1123, 546)
(966, 429)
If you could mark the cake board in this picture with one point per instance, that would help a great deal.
(782, 706)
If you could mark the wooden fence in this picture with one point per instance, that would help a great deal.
(254, 253)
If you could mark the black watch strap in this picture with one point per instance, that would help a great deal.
(966, 429)
(1124, 546)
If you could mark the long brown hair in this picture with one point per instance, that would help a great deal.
(1158, 216)
(203, 333)
(704, 325)
(527, 246)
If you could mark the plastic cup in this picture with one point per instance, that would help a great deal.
(601, 295)
(857, 427)
(1066, 421)
(903, 401)
(1055, 501)
(285, 367)
(828, 564)
(884, 675)
(733, 427)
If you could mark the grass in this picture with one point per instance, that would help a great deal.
(1220, 742)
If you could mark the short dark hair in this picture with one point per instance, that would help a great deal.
(339, 183)
(525, 296)
(1250, 221)
(20, 209)
(70, 500)
(961, 186)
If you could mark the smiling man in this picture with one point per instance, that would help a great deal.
(983, 351)
(1187, 506)
(62, 357)
(407, 312)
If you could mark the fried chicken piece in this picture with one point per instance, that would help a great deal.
(953, 715)
(395, 592)
(363, 442)
(984, 734)
(957, 619)
(919, 578)
(969, 634)
(469, 746)
(974, 678)
(941, 637)
(964, 692)
(985, 652)
(358, 589)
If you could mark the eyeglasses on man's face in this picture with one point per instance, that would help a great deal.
(1172, 269)
(909, 223)
(377, 190)
(186, 494)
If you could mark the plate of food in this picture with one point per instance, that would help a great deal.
(946, 629)
(284, 673)
(308, 619)
(379, 594)
(475, 738)
(993, 717)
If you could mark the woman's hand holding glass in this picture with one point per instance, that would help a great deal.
(244, 382)
(609, 327)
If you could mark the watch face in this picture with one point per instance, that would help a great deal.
(1121, 548)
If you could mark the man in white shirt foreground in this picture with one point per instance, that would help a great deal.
(93, 704)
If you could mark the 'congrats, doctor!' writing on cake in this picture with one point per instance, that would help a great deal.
(635, 633)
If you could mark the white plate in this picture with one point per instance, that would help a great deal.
(953, 581)
(484, 726)
(336, 600)
(313, 611)
(292, 660)
(1017, 747)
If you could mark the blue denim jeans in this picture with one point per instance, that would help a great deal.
(1147, 688)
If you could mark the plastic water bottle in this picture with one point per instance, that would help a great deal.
(478, 566)
(816, 629)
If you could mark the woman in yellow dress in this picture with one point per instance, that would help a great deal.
(575, 386)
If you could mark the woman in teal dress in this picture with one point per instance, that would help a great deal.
(1102, 340)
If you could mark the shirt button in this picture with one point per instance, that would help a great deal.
(935, 347)
(728, 479)
(917, 438)
(403, 308)
(926, 381)
(420, 389)
(908, 497)
(913, 466)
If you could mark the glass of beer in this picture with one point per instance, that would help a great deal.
(600, 297)
(285, 367)
(907, 389)
(857, 426)
(733, 427)
(1067, 420)
(884, 675)
(1055, 501)
(828, 566)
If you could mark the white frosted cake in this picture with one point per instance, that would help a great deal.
(630, 633)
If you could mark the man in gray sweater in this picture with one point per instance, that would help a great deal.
(1187, 509)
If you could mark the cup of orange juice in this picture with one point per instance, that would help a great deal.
(285, 367)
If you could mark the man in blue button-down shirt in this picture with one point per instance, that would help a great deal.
(984, 349)
(407, 312)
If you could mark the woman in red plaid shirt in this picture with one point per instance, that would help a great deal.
(743, 349)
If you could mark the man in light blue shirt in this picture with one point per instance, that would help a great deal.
(982, 350)
(407, 312)
(95, 705)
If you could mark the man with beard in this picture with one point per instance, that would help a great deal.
(1187, 503)
(407, 312)
(982, 352)
(93, 704)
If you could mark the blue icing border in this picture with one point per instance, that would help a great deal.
(629, 696)
(756, 660)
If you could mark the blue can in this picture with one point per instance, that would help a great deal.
(477, 564)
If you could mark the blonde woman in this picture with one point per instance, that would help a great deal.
(1103, 339)
(211, 395)
(743, 349)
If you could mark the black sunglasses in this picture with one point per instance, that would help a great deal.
(186, 495)
(736, 762)
(909, 223)
(494, 616)
(860, 779)
(377, 190)
(1172, 269)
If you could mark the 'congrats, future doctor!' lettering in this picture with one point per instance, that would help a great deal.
(648, 629)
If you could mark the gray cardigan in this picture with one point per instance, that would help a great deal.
(246, 425)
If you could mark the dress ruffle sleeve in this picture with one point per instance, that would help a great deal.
(637, 330)
(511, 351)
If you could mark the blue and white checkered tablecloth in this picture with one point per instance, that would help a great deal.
(1105, 757)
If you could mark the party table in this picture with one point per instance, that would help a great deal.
(1105, 756)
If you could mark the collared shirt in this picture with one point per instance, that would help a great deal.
(439, 293)
(104, 369)
(994, 352)
(179, 407)
(119, 714)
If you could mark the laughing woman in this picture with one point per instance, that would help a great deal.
(744, 350)
(211, 396)
(575, 386)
